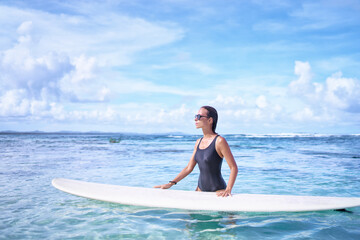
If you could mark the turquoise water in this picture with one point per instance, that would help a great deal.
(270, 164)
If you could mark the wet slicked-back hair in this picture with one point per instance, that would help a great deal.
(213, 114)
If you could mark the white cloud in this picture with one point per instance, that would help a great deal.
(173, 115)
(112, 37)
(236, 109)
(261, 102)
(58, 59)
(337, 93)
(121, 85)
(14, 103)
(105, 115)
(25, 27)
(37, 74)
(343, 93)
(228, 101)
(85, 82)
(307, 102)
(57, 112)
(303, 85)
(304, 115)
(84, 68)
(150, 117)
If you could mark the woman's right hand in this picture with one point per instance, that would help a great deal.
(164, 186)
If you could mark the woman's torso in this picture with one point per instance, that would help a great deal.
(209, 162)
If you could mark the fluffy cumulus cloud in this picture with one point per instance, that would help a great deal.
(31, 83)
(303, 85)
(343, 93)
(153, 115)
(56, 65)
(334, 101)
(336, 95)
(242, 110)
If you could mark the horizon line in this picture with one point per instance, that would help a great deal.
(284, 134)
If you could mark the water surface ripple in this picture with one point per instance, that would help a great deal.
(322, 165)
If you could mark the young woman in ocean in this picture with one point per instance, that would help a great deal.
(209, 152)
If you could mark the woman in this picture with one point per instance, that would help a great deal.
(209, 152)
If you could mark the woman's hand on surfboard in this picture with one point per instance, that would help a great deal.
(223, 193)
(164, 186)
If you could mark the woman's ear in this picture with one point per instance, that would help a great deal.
(211, 120)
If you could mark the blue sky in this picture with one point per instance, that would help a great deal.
(147, 66)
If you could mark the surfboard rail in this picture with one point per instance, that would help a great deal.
(208, 201)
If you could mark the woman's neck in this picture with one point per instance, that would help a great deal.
(208, 133)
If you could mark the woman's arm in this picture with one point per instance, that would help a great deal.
(223, 149)
(186, 171)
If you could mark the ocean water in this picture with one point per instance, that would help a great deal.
(321, 165)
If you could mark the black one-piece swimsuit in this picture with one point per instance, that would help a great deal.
(209, 161)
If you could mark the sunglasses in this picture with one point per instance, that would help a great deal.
(198, 116)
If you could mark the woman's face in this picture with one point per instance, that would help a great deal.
(203, 121)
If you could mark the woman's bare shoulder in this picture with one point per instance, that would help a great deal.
(221, 141)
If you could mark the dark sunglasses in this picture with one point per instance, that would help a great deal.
(198, 116)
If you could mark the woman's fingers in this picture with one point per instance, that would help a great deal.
(223, 194)
(164, 186)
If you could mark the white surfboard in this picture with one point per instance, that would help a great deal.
(191, 200)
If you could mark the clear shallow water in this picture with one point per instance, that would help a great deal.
(271, 164)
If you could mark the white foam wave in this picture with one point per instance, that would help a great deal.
(290, 135)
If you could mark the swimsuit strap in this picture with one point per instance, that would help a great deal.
(214, 141)
(198, 146)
